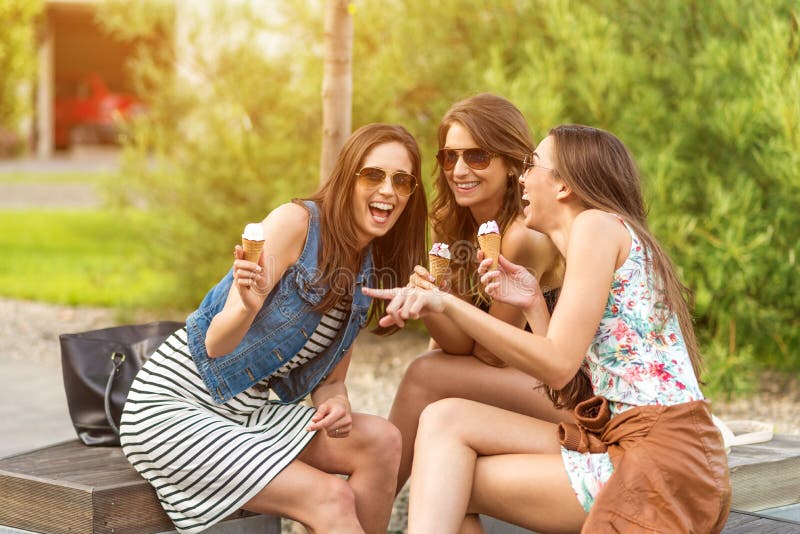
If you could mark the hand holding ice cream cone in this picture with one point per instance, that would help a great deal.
(438, 271)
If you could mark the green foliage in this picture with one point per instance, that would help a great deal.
(17, 65)
(705, 94)
(79, 257)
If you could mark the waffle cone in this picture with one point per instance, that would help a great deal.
(490, 245)
(252, 249)
(438, 267)
(415, 280)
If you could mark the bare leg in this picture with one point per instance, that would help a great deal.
(473, 458)
(471, 525)
(369, 456)
(436, 375)
(320, 501)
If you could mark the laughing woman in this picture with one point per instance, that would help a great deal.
(200, 424)
(482, 142)
(645, 455)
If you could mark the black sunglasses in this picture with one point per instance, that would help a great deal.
(475, 158)
(403, 182)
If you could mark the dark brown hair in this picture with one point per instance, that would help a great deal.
(601, 172)
(498, 126)
(394, 254)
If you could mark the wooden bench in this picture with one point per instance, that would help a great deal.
(764, 476)
(738, 523)
(69, 488)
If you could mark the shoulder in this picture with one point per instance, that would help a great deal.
(287, 225)
(289, 217)
(525, 245)
(598, 229)
(599, 222)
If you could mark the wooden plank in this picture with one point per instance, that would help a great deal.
(766, 475)
(128, 510)
(738, 523)
(749, 523)
(73, 462)
(69, 488)
(38, 506)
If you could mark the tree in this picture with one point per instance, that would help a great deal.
(337, 82)
(17, 65)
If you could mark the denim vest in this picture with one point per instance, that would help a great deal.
(279, 330)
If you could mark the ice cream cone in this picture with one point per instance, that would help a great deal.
(438, 267)
(490, 245)
(253, 241)
(252, 249)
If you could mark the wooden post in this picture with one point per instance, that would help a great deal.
(45, 91)
(337, 83)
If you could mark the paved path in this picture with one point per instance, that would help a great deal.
(33, 406)
(83, 159)
(60, 196)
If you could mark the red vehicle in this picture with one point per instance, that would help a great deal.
(87, 112)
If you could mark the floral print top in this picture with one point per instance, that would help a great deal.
(636, 358)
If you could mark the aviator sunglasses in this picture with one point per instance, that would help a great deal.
(403, 182)
(475, 158)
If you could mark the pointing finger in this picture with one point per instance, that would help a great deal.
(385, 294)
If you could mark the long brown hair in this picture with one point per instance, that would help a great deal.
(394, 254)
(601, 172)
(498, 126)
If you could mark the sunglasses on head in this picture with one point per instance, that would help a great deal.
(475, 158)
(402, 182)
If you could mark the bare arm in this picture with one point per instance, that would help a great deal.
(596, 244)
(284, 236)
(445, 334)
(334, 413)
(536, 252)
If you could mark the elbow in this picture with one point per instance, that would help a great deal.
(212, 350)
(561, 379)
(457, 349)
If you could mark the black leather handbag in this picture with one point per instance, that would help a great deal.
(99, 367)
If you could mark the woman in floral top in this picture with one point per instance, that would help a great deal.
(621, 322)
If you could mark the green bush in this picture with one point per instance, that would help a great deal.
(706, 95)
(18, 68)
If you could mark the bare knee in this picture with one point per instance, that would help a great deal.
(440, 419)
(422, 380)
(335, 501)
(381, 444)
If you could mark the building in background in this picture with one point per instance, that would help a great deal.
(83, 87)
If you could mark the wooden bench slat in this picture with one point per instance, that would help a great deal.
(69, 488)
(748, 523)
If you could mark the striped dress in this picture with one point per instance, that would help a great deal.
(206, 460)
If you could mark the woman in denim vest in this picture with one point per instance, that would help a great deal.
(213, 420)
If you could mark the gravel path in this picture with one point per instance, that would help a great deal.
(29, 331)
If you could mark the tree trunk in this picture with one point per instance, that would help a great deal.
(337, 83)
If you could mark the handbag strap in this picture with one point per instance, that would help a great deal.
(117, 358)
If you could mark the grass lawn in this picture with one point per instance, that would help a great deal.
(77, 257)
